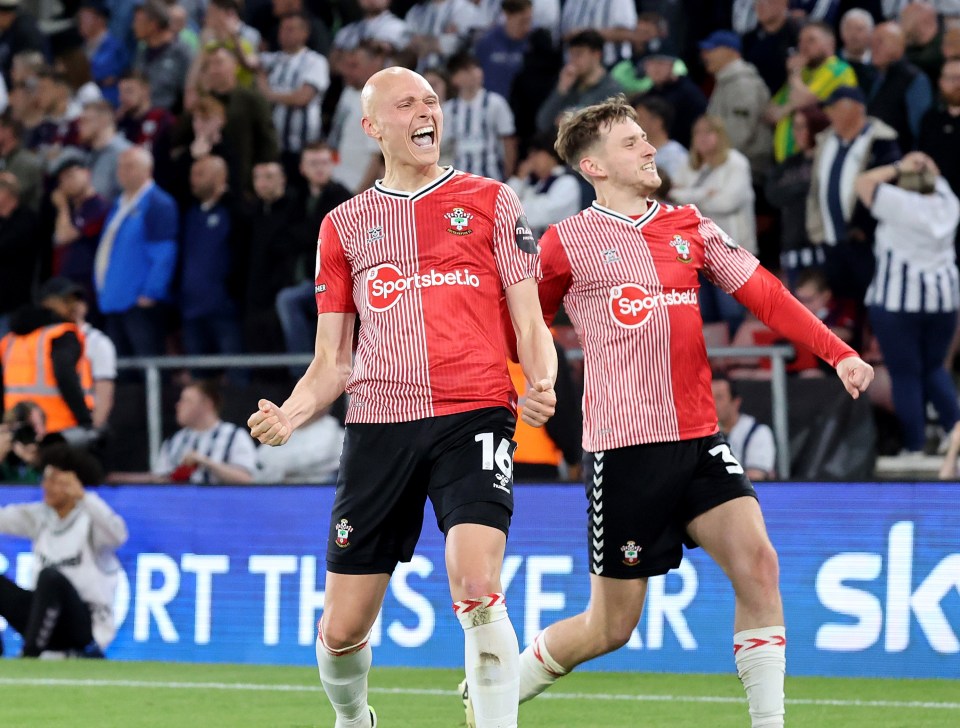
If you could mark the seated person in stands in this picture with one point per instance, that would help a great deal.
(206, 450)
(751, 442)
(311, 455)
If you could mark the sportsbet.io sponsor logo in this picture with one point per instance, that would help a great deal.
(631, 304)
(386, 284)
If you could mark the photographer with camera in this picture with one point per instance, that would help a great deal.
(42, 360)
(74, 536)
(22, 429)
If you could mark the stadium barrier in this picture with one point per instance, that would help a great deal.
(152, 367)
(870, 575)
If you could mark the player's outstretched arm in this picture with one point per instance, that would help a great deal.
(322, 383)
(535, 349)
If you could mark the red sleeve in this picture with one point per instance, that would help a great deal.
(551, 289)
(334, 282)
(770, 302)
(557, 274)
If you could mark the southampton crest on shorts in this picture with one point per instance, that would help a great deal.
(631, 553)
(459, 221)
(683, 248)
(343, 533)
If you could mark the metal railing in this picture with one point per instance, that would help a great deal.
(152, 366)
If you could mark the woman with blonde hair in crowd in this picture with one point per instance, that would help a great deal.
(717, 180)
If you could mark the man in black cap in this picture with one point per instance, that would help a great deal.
(836, 220)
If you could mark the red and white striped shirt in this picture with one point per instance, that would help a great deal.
(425, 272)
(631, 289)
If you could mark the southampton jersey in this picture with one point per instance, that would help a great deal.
(425, 271)
(631, 290)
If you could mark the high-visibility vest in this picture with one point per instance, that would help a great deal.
(534, 445)
(28, 374)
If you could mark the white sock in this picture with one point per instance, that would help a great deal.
(761, 660)
(344, 676)
(490, 647)
(538, 670)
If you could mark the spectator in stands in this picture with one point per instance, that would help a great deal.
(950, 47)
(717, 180)
(18, 33)
(209, 251)
(853, 143)
(107, 55)
(223, 26)
(686, 98)
(899, 93)
(59, 380)
(914, 295)
(272, 249)
(940, 129)
(813, 291)
(751, 442)
(651, 38)
(359, 162)
(769, 45)
(583, 80)
(183, 29)
(314, 457)
(924, 34)
(138, 120)
(439, 80)
(378, 24)
(74, 536)
(534, 82)
(206, 450)
(22, 163)
(67, 300)
(135, 260)
(500, 49)
(814, 73)
(19, 250)
(479, 123)
(786, 188)
(249, 130)
(80, 215)
(950, 469)
(207, 119)
(739, 99)
(546, 188)
(267, 21)
(655, 116)
(160, 56)
(294, 82)
(297, 304)
(856, 31)
(441, 28)
(19, 430)
(97, 130)
(615, 21)
(58, 127)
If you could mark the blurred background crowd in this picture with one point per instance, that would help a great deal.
(165, 165)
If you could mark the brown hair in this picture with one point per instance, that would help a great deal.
(582, 129)
(723, 140)
(207, 106)
(209, 389)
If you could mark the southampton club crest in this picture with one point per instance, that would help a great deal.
(631, 553)
(459, 221)
(683, 248)
(343, 533)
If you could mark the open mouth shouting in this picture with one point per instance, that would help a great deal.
(424, 137)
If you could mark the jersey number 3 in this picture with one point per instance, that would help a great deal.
(733, 466)
(503, 457)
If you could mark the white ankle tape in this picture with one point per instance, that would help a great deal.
(481, 610)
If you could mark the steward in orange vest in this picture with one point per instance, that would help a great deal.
(42, 361)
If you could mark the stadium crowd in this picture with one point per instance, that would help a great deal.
(169, 163)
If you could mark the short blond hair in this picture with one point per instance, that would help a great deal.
(581, 130)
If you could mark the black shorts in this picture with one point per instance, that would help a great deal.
(462, 462)
(641, 498)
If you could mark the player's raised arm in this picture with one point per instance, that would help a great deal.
(324, 381)
(537, 354)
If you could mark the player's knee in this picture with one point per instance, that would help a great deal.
(614, 632)
(48, 577)
(469, 586)
(339, 635)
